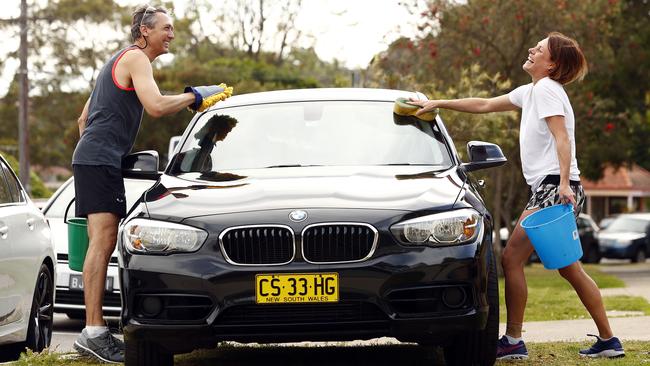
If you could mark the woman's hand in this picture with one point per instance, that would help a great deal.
(566, 195)
(425, 105)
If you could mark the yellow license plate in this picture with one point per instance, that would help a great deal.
(296, 288)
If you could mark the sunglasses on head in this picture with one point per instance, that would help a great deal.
(148, 9)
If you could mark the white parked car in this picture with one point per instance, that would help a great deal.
(69, 284)
(27, 270)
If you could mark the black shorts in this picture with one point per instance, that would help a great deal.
(547, 194)
(98, 188)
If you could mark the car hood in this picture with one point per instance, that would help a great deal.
(620, 235)
(385, 187)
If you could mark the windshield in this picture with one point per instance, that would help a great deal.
(133, 191)
(627, 225)
(328, 133)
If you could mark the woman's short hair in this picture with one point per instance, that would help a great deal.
(570, 62)
(144, 15)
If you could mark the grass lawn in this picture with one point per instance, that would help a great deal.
(550, 297)
(552, 354)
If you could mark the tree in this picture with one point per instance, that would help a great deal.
(453, 36)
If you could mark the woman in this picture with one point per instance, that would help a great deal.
(547, 142)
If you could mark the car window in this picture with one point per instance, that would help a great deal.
(5, 193)
(133, 188)
(12, 183)
(331, 133)
(627, 224)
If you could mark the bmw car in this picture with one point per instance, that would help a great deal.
(310, 215)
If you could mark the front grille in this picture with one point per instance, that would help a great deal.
(338, 242)
(258, 245)
(63, 258)
(300, 314)
(111, 299)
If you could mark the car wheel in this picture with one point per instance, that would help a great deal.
(592, 255)
(39, 331)
(479, 347)
(639, 256)
(11, 352)
(145, 353)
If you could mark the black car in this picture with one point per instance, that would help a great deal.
(627, 237)
(310, 215)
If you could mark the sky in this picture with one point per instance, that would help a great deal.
(351, 31)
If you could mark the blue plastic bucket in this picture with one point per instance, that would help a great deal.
(554, 234)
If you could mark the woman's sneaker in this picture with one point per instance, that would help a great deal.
(104, 347)
(507, 351)
(610, 348)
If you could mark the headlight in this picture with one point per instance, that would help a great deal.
(150, 236)
(447, 228)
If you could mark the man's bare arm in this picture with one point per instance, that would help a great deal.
(472, 105)
(156, 104)
(81, 121)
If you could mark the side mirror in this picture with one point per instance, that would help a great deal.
(141, 165)
(483, 155)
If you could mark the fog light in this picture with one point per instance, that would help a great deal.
(454, 297)
(151, 306)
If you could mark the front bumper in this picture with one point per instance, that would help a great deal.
(206, 300)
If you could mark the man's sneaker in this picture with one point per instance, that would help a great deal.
(507, 351)
(103, 347)
(610, 348)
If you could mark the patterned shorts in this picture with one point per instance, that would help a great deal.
(547, 194)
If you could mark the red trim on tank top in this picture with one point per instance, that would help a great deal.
(113, 70)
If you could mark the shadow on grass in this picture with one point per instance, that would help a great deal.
(268, 355)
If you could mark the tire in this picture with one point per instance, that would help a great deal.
(39, 331)
(639, 256)
(479, 348)
(145, 353)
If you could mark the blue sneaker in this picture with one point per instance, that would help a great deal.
(507, 351)
(610, 348)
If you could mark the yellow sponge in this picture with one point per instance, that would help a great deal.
(402, 108)
(214, 98)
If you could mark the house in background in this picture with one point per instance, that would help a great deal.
(623, 189)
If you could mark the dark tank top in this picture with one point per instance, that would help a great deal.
(114, 116)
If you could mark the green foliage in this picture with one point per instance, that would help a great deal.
(610, 105)
(199, 58)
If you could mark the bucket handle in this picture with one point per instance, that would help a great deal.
(65, 216)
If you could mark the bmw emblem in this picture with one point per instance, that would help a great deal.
(298, 215)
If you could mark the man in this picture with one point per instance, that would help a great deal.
(108, 127)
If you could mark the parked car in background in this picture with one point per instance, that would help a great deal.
(606, 221)
(69, 284)
(587, 230)
(627, 237)
(27, 270)
(311, 215)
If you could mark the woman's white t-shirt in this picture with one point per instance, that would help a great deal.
(538, 150)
